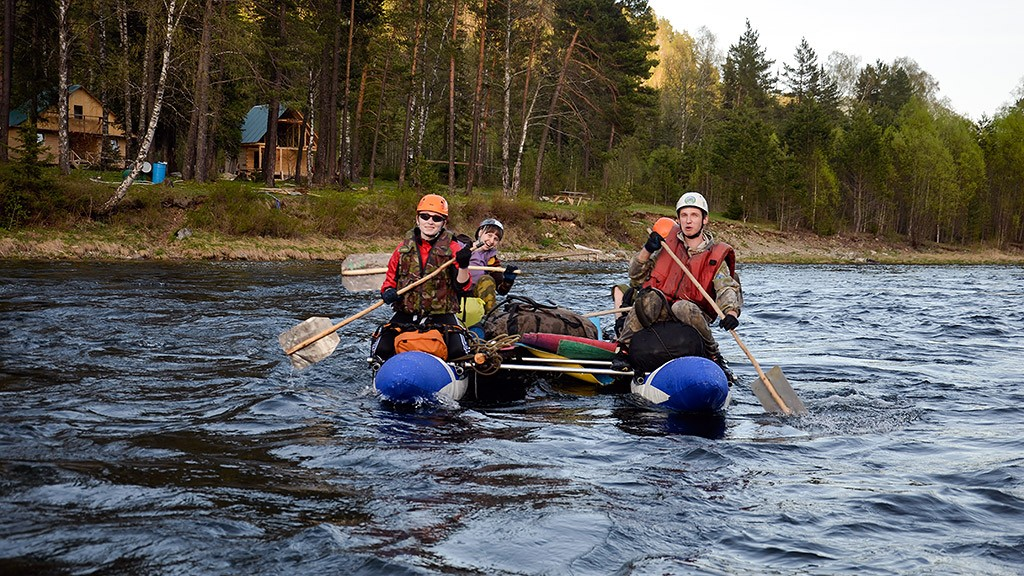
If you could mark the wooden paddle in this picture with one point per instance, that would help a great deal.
(370, 271)
(607, 312)
(365, 272)
(776, 394)
(295, 341)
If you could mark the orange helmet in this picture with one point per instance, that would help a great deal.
(433, 203)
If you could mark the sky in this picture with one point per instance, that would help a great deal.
(974, 49)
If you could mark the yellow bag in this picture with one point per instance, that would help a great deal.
(429, 341)
(472, 311)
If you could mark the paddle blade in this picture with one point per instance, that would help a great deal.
(363, 282)
(664, 226)
(314, 352)
(783, 389)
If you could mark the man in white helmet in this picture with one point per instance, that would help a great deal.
(656, 279)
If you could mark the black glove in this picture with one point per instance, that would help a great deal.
(510, 274)
(462, 256)
(389, 296)
(730, 322)
(653, 243)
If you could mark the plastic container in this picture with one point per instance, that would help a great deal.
(159, 171)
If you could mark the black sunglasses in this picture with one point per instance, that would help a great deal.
(434, 217)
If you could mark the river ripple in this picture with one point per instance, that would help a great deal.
(149, 424)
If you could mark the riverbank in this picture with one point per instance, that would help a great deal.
(753, 243)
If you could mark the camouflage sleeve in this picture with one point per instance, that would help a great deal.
(728, 292)
(639, 271)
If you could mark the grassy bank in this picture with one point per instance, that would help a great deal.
(245, 221)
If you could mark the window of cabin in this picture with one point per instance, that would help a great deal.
(79, 112)
(255, 159)
(114, 145)
(39, 138)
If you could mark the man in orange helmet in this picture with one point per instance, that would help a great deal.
(435, 302)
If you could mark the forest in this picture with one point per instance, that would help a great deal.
(528, 98)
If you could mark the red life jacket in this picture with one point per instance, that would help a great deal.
(437, 296)
(674, 283)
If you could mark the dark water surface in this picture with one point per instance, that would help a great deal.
(149, 424)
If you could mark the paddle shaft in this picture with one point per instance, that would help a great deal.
(359, 315)
(607, 312)
(764, 378)
(372, 271)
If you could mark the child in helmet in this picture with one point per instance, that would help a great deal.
(487, 286)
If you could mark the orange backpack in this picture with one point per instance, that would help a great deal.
(429, 341)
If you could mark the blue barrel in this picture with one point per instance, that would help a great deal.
(159, 171)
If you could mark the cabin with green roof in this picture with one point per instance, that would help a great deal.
(291, 143)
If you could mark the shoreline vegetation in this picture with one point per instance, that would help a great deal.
(244, 222)
(752, 245)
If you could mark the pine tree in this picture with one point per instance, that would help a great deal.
(746, 77)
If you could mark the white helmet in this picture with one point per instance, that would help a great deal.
(695, 199)
(491, 222)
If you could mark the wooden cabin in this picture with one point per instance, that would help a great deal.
(291, 143)
(87, 130)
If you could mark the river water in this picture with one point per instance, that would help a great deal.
(149, 424)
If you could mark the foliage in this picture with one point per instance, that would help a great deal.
(665, 174)
(826, 148)
(607, 213)
(746, 76)
(27, 193)
(238, 210)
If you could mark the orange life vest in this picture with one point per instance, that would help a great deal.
(674, 283)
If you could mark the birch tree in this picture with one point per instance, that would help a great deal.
(63, 140)
(154, 117)
(477, 103)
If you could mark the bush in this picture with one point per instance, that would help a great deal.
(25, 190)
(234, 209)
(608, 213)
(333, 214)
(516, 214)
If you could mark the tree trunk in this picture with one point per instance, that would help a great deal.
(172, 22)
(310, 127)
(322, 171)
(551, 113)
(270, 141)
(63, 143)
(298, 154)
(126, 85)
(274, 107)
(378, 121)
(346, 148)
(195, 146)
(146, 98)
(451, 98)
(5, 76)
(357, 125)
(527, 111)
(506, 104)
(327, 141)
(410, 101)
(475, 139)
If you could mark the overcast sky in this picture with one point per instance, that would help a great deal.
(974, 49)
